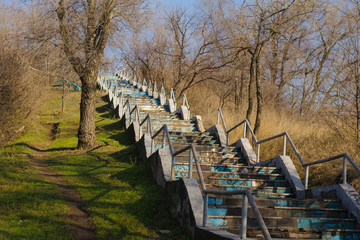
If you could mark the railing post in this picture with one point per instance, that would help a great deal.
(244, 133)
(205, 212)
(173, 168)
(227, 139)
(306, 177)
(122, 100)
(148, 127)
(284, 146)
(163, 140)
(190, 163)
(139, 126)
(129, 107)
(152, 144)
(258, 153)
(244, 216)
(344, 170)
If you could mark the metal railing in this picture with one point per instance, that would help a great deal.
(149, 89)
(185, 103)
(155, 87)
(121, 94)
(131, 111)
(162, 89)
(247, 197)
(172, 96)
(147, 119)
(286, 137)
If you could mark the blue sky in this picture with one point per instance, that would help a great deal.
(168, 4)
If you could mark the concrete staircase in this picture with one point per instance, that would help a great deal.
(224, 168)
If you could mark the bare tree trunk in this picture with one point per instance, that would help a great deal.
(86, 131)
(258, 96)
(357, 105)
(63, 97)
(241, 92)
(250, 90)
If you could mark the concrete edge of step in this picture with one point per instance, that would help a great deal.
(213, 233)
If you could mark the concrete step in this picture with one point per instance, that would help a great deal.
(246, 175)
(242, 182)
(296, 233)
(286, 222)
(240, 169)
(191, 136)
(172, 123)
(278, 211)
(203, 158)
(253, 188)
(165, 119)
(215, 148)
(215, 177)
(176, 142)
(261, 194)
(175, 128)
(232, 169)
(218, 200)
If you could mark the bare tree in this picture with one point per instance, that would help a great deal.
(192, 51)
(85, 27)
(261, 22)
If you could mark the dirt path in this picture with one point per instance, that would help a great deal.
(77, 218)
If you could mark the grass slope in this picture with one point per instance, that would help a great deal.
(117, 190)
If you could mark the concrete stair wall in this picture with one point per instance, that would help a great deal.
(225, 168)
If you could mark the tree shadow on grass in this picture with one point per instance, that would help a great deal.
(119, 193)
(105, 98)
(104, 108)
(31, 210)
(43, 150)
(113, 126)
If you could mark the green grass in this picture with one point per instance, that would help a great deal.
(29, 206)
(121, 197)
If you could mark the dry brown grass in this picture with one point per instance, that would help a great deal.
(313, 138)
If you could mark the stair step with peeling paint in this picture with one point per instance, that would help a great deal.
(250, 175)
(242, 182)
(277, 211)
(253, 188)
(186, 141)
(286, 222)
(218, 200)
(304, 233)
(209, 175)
(218, 168)
(184, 158)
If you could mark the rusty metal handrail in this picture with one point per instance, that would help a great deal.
(149, 126)
(166, 135)
(172, 96)
(186, 103)
(285, 137)
(246, 194)
(220, 116)
(137, 113)
(127, 104)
